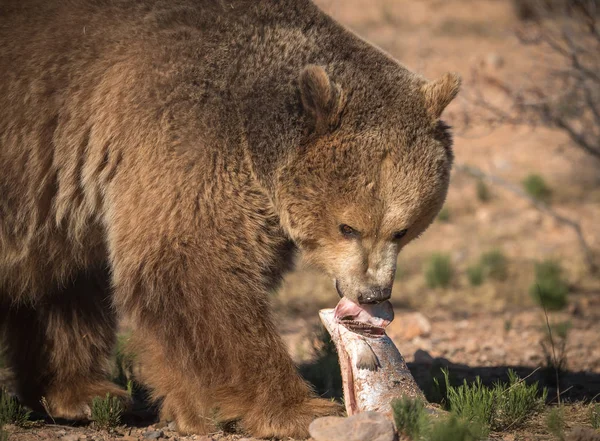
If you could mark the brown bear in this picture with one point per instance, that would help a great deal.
(163, 161)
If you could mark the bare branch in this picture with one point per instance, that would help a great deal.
(541, 206)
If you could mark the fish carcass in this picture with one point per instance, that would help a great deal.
(374, 372)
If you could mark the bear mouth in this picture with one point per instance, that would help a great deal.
(368, 319)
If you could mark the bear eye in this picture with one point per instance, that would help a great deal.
(348, 232)
(400, 234)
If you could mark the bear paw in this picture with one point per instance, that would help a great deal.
(288, 422)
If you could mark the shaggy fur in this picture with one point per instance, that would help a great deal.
(183, 150)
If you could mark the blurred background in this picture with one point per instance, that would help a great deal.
(520, 231)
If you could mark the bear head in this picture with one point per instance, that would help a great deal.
(370, 176)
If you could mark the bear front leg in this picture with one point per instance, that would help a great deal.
(198, 299)
(210, 351)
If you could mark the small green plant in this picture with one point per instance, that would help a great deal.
(473, 403)
(439, 271)
(555, 421)
(516, 402)
(536, 187)
(475, 275)
(11, 412)
(495, 265)
(500, 407)
(106, 412)
(411, 417)
(483, 192)
(444, 215)
(456, 429)
(594, 414)
(549, 289)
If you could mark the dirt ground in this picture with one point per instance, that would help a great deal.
(475, 331)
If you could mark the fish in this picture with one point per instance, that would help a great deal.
(374, 372)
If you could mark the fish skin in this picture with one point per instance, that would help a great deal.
(374, 372)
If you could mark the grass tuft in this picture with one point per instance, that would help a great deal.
(11, 412)
(492, 264)
(455, 429)
(439, 271)
(474, 403)
(444, 215)
(555, 421)
(517, 402)
(495, 265)
(106, 412)
(501, 407)
(483, 191)
(411, 417)
(475, 275)
(536, 187)
(549, 289)
(594, 415)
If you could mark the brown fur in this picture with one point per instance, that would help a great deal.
(189, 147)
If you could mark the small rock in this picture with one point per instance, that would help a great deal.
(154, 434)
(583, 434)
(172, 426)
(366, 426)
(494, 60)
(409, 326)
(70, 437)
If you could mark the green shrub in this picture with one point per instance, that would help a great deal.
(11, 412)
(106, 412)
(439, 271)
(515, 403)
(495, 265)
(549, 289)
(475, 275)
(473, 403)
(536, 187)
(410, 417)
(595, 415)
(483, 192)
(455, 429)
(555, 421)
(444, 215)
(501, 407)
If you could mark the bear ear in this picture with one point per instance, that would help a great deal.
(322, 99)
(438, 93)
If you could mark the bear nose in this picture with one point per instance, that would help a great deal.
(375, 295)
